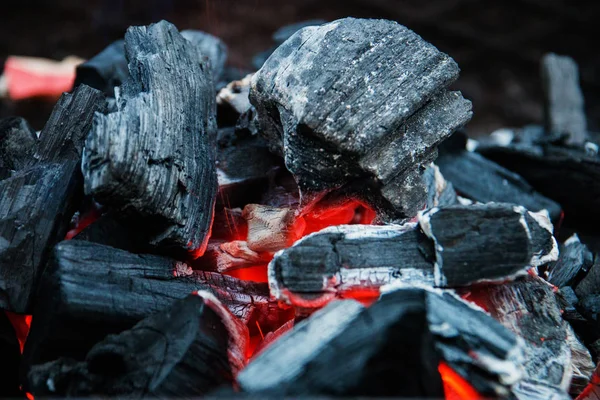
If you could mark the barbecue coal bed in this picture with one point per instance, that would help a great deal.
(318, 227)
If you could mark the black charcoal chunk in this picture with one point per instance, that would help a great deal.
(18, 143)
(590, 284)
(10, 357)
(491, 241)
(359, 100)
(564, 105)
(90, 290)
(340, 259)
(181, 351)
(154, 156)
(388, 349)
(213, 50)
(440, 192)
(574, 259)
(484, 181)
(37, 201)
(106, 70)
(528, 307)
(569, 175)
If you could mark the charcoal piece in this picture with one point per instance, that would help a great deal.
(574, 259)
(182, 351)
(567, 175)
(487, 242)
(271, 229)
(105, 70)
(309, 360)
(528, 307)
(9, 359)
(568, 301)
(18, 143)
(532, 390)
(212, 49)
(229, 256)
(233, 101)
(91, 290)
(590, 284)
(440, 192)
(581, 361)
(590, 306)
(400, 337)
(592, 391)
(37, 202)
(153, 157)
(340, 259)
(484, 181)
(359, 100)
(564, 110)
(244, 164)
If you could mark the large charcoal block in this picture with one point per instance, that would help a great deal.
(153, 156)
(359, 100)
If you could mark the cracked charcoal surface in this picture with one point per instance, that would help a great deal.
(18, 143)
(359, 100)
(153, 156)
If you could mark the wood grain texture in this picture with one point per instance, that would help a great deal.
(359, 100)
(154, 156)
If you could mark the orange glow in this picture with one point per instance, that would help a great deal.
(366, 296)
(455, 386)
(83, 222)
(21, 325)
(29, 396)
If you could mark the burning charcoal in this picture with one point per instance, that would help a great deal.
(339, 260)
(213, 50)
(153, 156)
(18, 143)
(484, 181)
(567, 175)
(229, 256)
(528, 307)
(243, 165)
(574, 258)
(487, 242)
(9, 359)
(106, 70)
(375, 121)
(413, 328)
(92, 290)
(308, 362)
(272, 228)
(180, 352)
(564, 108)
(38, 201)
(532, 390)
(581, 361)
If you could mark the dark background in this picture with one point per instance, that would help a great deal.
(497, 43)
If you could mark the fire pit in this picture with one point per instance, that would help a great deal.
(321, 227)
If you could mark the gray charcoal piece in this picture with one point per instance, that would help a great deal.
(359, 99)
(564, 105)
(573, 259)
(487, 242)
(154, 156)
(18, 143)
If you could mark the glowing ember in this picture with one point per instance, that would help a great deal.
(21, 324)
(455, 387)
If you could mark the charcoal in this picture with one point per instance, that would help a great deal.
(18, 143)
(532, 390)
(568, 300)
(592, 391)
(590, 284)
(440, 192)
(230, 256)
(590, 306)
(484, 181)
(10, 359)
(153, 156)
(566, 174)
(393, 348)
(573, 260)
(486, 242)
(91, 290)
(564, 106)
(244, 163)
(213, 50)
(106, 70)
(581, 361)
(271, 229)
(528, 307)
(182, 351)
(38, 201)
(341, 259)
(361, 102)
(233, 101)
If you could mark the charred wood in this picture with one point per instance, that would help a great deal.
(153, 156)
(574, 260)
(338, 125)
(18, 143)
(92, 290)
(590, 284)
(271, 229)
(105, 70)
(182, 351)
(564, 105)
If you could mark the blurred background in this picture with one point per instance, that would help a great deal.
(497, 43)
